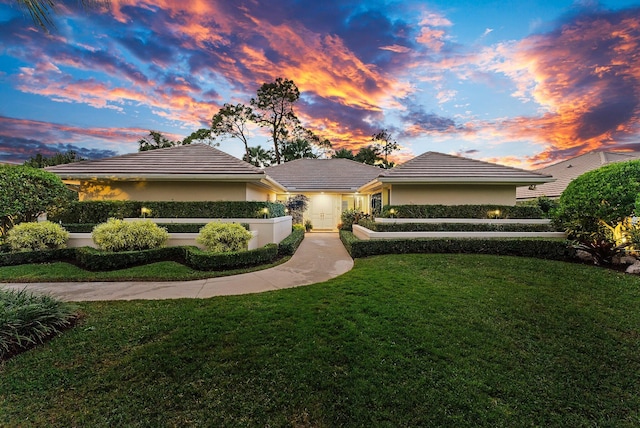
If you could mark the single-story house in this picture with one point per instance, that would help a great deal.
(199, 172)
(564, 172)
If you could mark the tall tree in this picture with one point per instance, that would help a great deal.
(274, 110)
(386, 143)
(344, 154)
(202, 135)
(155, 140)
(298, 149)
(369, 155)
(40, 161)
(232, 121)
(258, 156)
(41, 10)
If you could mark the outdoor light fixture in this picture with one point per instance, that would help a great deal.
(392, 212)
(145, 211)
(265, 211)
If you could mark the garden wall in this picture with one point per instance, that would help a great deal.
(77, 240)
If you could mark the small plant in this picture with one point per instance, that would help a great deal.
(32, 236)
(308, 226)
(119, 235)
(224, 237)
(351, 217)
(297, 205)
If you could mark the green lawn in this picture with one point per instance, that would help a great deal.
(411, 340)
(161, 271)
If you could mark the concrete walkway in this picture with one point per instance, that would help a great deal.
(320, 257)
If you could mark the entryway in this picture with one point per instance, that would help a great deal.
(324, 211)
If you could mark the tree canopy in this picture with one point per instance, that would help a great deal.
(232, 120)
(41, 11)
(387, 145)
(40, 161)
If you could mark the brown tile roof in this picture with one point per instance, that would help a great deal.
(434, 167)
(566, 171)
(190, 160)
(339, 175)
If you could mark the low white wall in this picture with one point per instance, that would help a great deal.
(466, 220)
(367, 234)
(175, 239)
(270, 230)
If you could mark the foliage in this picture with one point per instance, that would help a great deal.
(96, 260)
(40, 161)
(26, 192)
(369, 155)
(257, 156)
(231, 121)
(343, 154)
(289, 245)
(451, 227)
(538, 248)
(274, 111)
(119, 235)
(387, 145)
(41, 10)
(155, 140)
(606, 194)
(44, 256)
(206, 260)
(351, 217)
(100, 211)
(202, 135)
(308, 226)
(28, 319)
(461, 211)
(297, 205)
(298, 149)
(224, 237)
(31, 236)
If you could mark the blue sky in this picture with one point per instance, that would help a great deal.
(524, 83)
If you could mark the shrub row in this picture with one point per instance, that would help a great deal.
(462, 211)
(101, 211)
(202, 260)
(453, 227)
(538, 248)
(290, 244)
(171, 227)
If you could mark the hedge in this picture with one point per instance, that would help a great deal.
(462, 211)
(43, 256)
(538, 248)
(203, 260)
(96, 260)
(171, 227)
(454, 227)
(290, 244)
(101, 211)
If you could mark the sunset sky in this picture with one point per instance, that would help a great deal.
(523, 83)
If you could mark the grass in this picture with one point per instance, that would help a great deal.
(407, 340)
(161, 271)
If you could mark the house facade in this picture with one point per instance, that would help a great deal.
(199, 172)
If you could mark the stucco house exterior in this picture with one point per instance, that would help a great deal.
(199, 172)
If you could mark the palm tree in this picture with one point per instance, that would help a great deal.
(259, 157)
(41, 10)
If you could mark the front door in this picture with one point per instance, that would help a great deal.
(322, 209)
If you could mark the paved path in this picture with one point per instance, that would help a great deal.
(320, 257)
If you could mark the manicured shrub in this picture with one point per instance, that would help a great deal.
(119, 235)
(454, 227)
(462, 211)
(289, 245)
(30, 236)
(224, 237)
(43, 256)
(205, 260)
(96, 260)
(351, 217)
(27, 319)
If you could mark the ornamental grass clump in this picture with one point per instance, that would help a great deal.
(27, 319)
(31, 236)
(224, 237)
(118, 235)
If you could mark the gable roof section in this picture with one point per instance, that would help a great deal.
(566, 171)
(331, 175)
(194, 161)
(434, 167)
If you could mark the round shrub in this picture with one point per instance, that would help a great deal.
(31, 236)
(224, 237)
(119, 235)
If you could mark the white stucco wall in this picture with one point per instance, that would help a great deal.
(452, 194)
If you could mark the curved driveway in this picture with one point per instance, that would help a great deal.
(320, 257)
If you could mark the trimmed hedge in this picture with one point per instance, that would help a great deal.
(203, 260)
(537, 248)
(290, 244)
(171, 227)
(101, 211)
(454, 227)
(462, 211)
(96, 260)
(43, 256)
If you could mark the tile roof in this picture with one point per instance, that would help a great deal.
(565, 171)
(323, 174)
(190, 160)
(434, 167)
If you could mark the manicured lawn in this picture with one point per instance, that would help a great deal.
(161, 271)
(411, 340)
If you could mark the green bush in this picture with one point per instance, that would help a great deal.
(43, 256)
(32, 236)
(119, 235)
(539, 248)
(290, 244)
(454, 227)
(224, 237)
(101, 211)
(204, 260)
(27, 319)
(351, 217)
(96, 260)
(462, 211)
